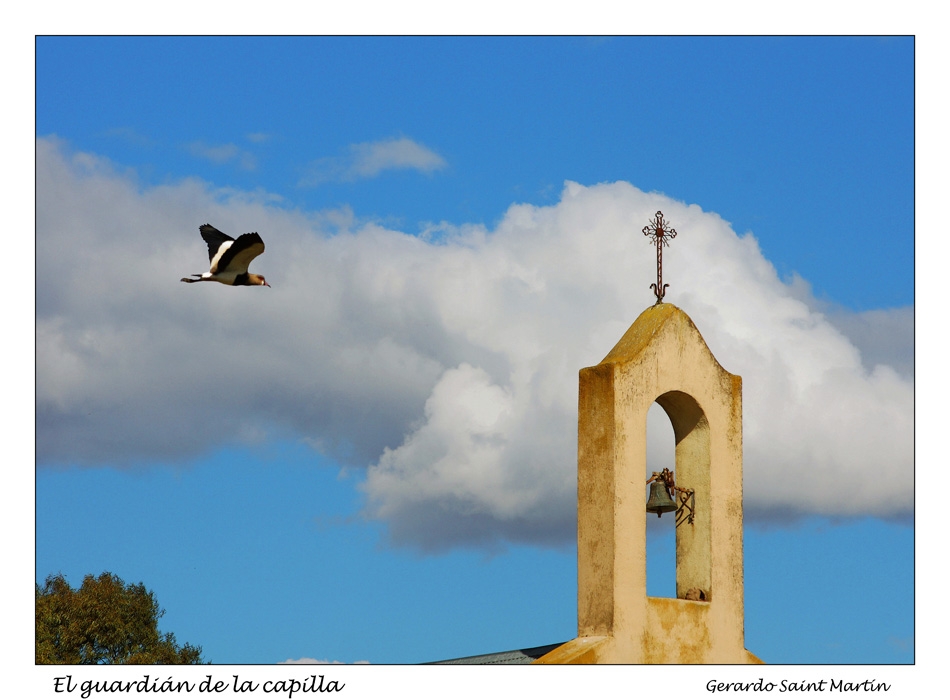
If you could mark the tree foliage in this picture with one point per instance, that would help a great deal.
(104, 621)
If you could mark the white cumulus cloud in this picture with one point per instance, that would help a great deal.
(367, 160)
(446, 369)
(223, 153)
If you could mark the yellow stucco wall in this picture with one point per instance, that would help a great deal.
(662, 358)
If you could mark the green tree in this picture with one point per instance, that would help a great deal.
(104, 621)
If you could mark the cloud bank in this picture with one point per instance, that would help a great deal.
(444, 364)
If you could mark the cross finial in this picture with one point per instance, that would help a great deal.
(659, 230)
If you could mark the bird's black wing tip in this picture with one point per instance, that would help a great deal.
(213, 236)
(252, 237)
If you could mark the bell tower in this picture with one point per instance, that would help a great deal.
(662, 358)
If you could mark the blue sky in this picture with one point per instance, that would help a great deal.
(453, 231)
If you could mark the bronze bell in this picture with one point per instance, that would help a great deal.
(660, 501)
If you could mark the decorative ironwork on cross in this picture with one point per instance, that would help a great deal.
(659, 230)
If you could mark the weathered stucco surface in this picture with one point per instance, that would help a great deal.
(662, 358)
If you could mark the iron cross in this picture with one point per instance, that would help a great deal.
(659, 230)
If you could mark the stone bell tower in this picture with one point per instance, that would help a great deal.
(662, 358)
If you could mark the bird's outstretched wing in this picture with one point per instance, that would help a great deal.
(239, 254)
(214, 238)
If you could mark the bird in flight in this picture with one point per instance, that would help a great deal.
(230, 258)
